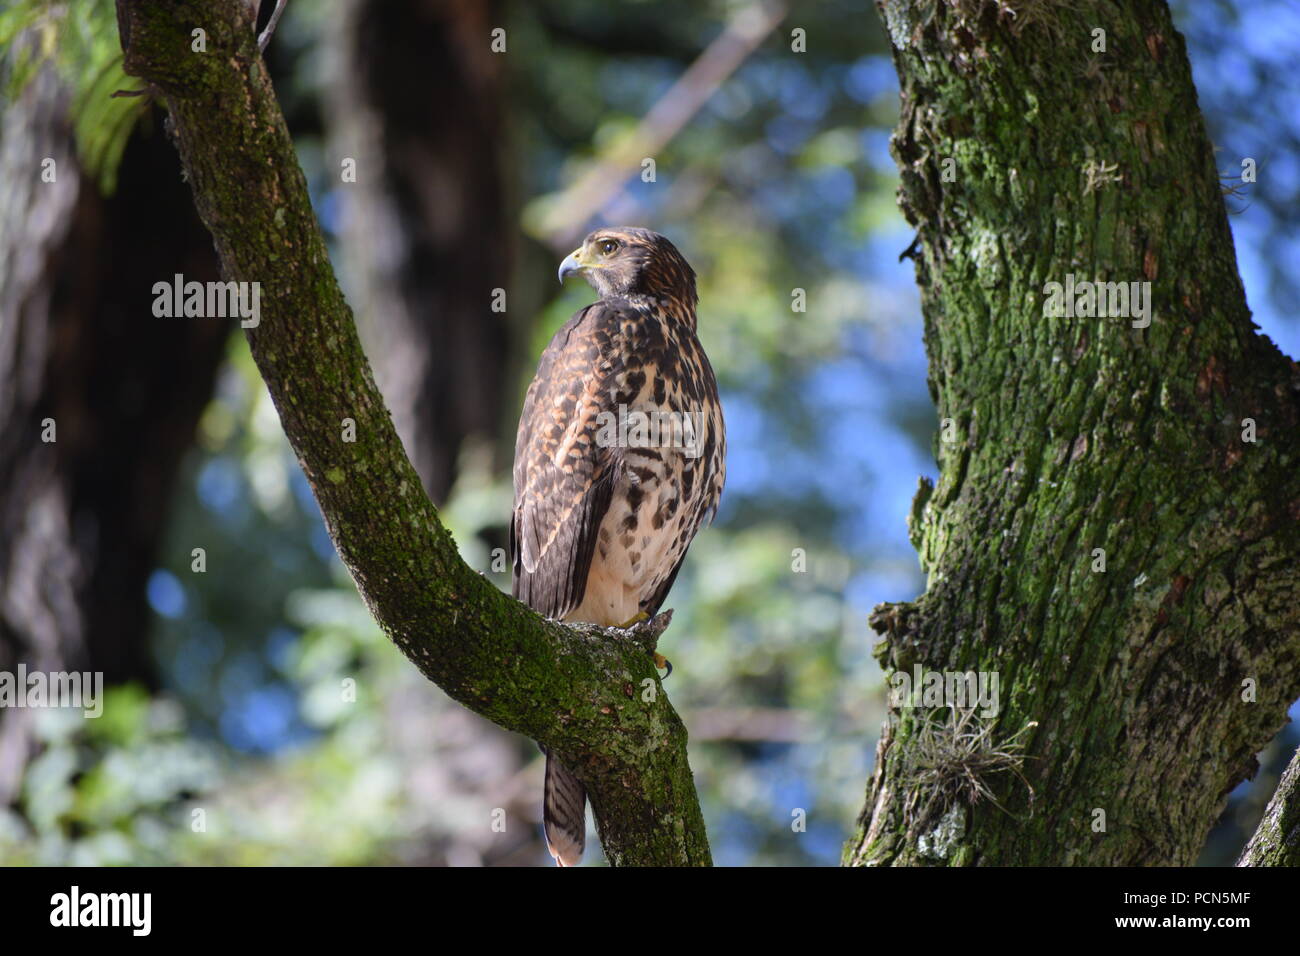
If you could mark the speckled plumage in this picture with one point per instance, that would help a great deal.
(601, 526)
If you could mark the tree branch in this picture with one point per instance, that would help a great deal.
(1277, 838)
(590, 694)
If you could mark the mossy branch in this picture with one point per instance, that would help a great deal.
(593, 696)
(1277, 838)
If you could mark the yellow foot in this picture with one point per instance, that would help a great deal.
(663, 663)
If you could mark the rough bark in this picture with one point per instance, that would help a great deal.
(83, 516)
(1276, 841)
(581, 691)
(430, 184)
(1130, 688)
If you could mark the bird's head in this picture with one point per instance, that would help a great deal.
(627, 261)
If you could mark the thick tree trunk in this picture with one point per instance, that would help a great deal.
(84, 362)
(1139, 693)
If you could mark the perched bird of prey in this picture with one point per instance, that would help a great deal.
(619, 460)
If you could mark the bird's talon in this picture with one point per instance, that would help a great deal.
(663, 663)
(640, 618)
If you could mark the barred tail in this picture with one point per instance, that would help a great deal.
(564, 813)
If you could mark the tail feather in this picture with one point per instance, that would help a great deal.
(564, 813)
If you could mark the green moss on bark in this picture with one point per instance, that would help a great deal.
(1078, 434)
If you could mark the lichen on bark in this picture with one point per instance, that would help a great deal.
(1086, 443)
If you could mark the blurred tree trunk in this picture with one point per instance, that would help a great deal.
(1140, 693)
(417, 103)
(81, 517)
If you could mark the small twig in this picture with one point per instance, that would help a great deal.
(756, 724)
(265, 36)
(911, 251)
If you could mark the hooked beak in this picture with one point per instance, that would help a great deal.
(571, 264)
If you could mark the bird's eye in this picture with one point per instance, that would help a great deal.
(607, 246)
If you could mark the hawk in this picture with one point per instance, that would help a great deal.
(619, 460)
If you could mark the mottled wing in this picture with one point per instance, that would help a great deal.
(562, 478)
(704, 475)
